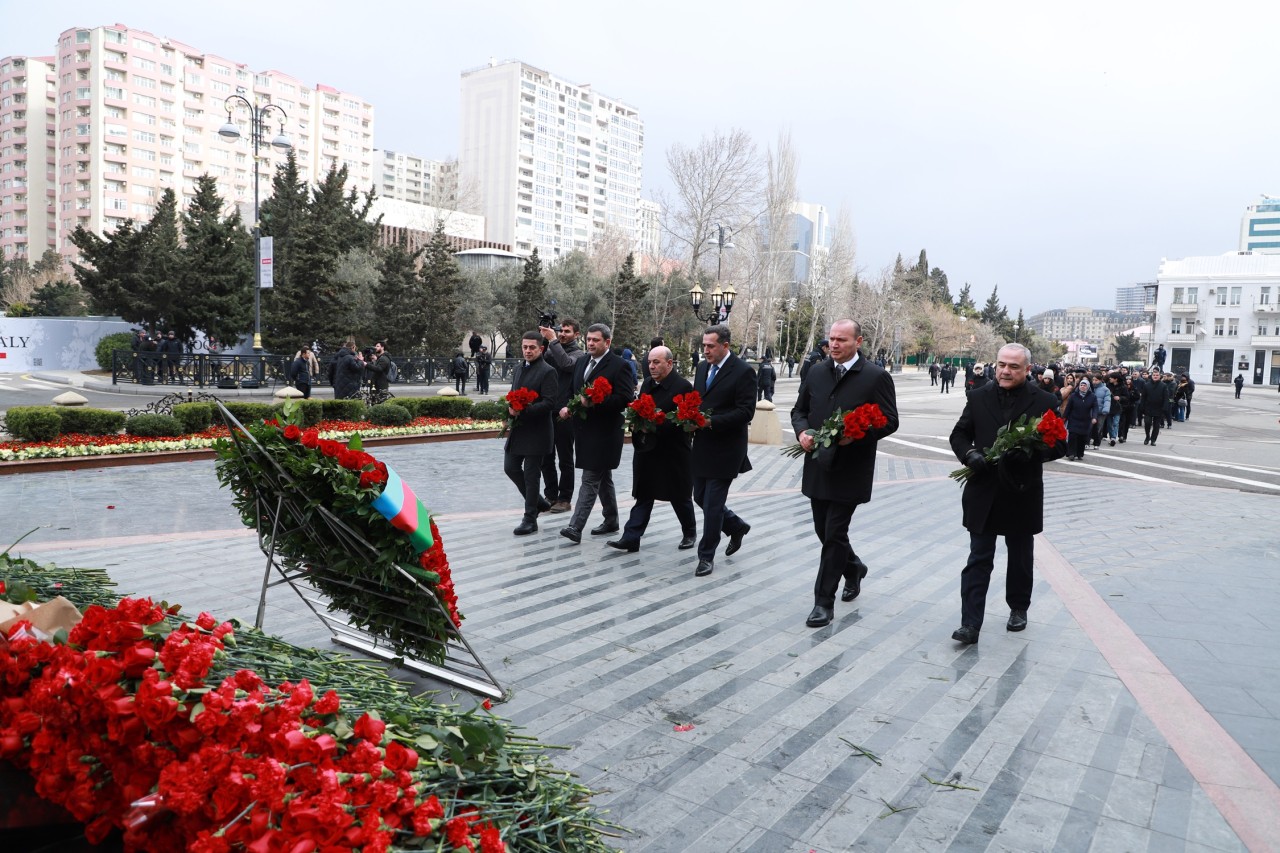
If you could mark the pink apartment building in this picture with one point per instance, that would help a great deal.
(93, 135)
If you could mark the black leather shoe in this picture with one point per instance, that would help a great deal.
(624, 545)
(704, 568)
(526, 527)
(544, 505)
(819, 616)
(1017, 620)
(572, 534)
(735, 541)
(604, 530)
(965, 634)
(854, 589)
(686, 543)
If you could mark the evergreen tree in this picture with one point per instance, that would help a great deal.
(162, 259)
(402, 311)
(964, 305)
(441, 286)
(1128, 348)
(531, 300)
(280, 216)
(1020, 330)
(993, 312)
(941, 291)
(217, 270)
(629, 298)
(111, 272)
(61, 298)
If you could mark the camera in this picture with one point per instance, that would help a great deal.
(547, 319)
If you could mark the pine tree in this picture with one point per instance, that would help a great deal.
(629, 295)
(162, 259)
(111, 272)
(531, 300)
(441, 294)
(217, 270)
(941, 292)
(398, 295)
(281, 215)
(964, 305)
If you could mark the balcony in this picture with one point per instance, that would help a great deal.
(1183, 338)
(1148, 308)
(1181, 308)
(1266, 308)
(1265, 341)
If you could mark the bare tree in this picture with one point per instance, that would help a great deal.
(833, 279)
(773, 272)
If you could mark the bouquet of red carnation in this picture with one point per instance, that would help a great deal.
(592, 394)
(688, 414)
(517, 400)
(1026, 434)
(643, 415)
(840, 425)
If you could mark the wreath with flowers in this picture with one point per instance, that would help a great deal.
(346, 522)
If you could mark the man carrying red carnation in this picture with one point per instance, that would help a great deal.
(1005, 499)
(840, 478)
(532, 435)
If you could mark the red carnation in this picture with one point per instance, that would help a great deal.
(370, 729)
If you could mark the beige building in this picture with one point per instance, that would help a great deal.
(28, 203)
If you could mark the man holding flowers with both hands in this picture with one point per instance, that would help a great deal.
(1003, 484)
(838, 476)
(531, 436)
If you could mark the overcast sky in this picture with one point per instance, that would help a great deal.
(1055, 150)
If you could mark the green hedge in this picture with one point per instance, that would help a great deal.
(310, 412)
(488, 410)
(250, 413)
(409, 404)
(388, 414)
(153, 426)
(90, 421)
(445, 407)
(344, 410)
(194, 417)
(33, 423)
(109, 344)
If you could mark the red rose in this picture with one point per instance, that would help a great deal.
(330, 448)
(311, 438)
(292, 432)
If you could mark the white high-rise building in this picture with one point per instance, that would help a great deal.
(555, 164)
(407, 177)
(28, 99)
(1260, 227)
(134, 114)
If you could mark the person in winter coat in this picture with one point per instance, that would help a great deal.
(1155, 401)
(348, 372)
(458, 369)
(1081, 415)
(1103, 393)
(1119, 400)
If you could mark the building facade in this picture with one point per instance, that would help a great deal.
(135, 113)
(1092, 326)
(555, 164)
(1219, 315)
(407, 177)
(28, 203)
(1132, 300)
(1260, 227)
(810, 242)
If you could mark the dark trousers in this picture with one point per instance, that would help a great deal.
(1076, 443)
(460, 383)
(1126, 416)
(523, 471)
(1152, 427)
(560, 487)
(643, 510)
(831, 523)
(482, 381)
(976, 576)
(710, 495)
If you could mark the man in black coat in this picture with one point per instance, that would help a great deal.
(727, 385)
(661, 464)
(1006, 499)
(1156, 396)
(380, 368)
(532, 435)
(562, 352)
(348, 372)
(597, 438)
(839, 478)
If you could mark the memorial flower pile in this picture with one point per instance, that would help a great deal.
(1026, 435)
(592, 394)
(853, 425)
(643, 415)
(332, 488)
(688, 414)
(517, 400)
(211, 737)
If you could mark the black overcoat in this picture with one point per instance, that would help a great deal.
(533, 433)
(991, 506)
(720, 450)
(661, 463)
(597, 438)
(850, 477)
(348, 372)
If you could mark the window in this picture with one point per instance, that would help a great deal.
(1233, 326)
(1175, 327)
(144, 136)
(142, 44)
(144, 82)
(1263, 329)
(144, 63)
(1235, 295)
(1264, 296)
(1222, 296)
(1219, 327)
(1193, 295)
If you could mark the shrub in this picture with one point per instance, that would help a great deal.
(91, 421)
(194, 417)
(310, 412)
(104, 348)
(153, 426)
(250, 413)
(344, 410)
(488, 410)
(389, 414)
(33, 423)
(409, 404)
(445, 407)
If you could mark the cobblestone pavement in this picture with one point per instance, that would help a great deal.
(1140, 710)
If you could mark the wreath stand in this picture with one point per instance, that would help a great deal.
(280, 507)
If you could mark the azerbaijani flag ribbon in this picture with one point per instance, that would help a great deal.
(405, 511)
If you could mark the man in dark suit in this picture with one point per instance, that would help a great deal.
(562, 353)
(839, 478)
(597, 438)
(727, 385)
(532, 435)
(1006, 499)
(661, 462)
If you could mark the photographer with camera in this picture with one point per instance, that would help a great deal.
(562, 353)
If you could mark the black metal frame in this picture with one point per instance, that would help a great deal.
(280, 506)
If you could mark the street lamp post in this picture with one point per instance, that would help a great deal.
(721, 300)
(257, 122)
